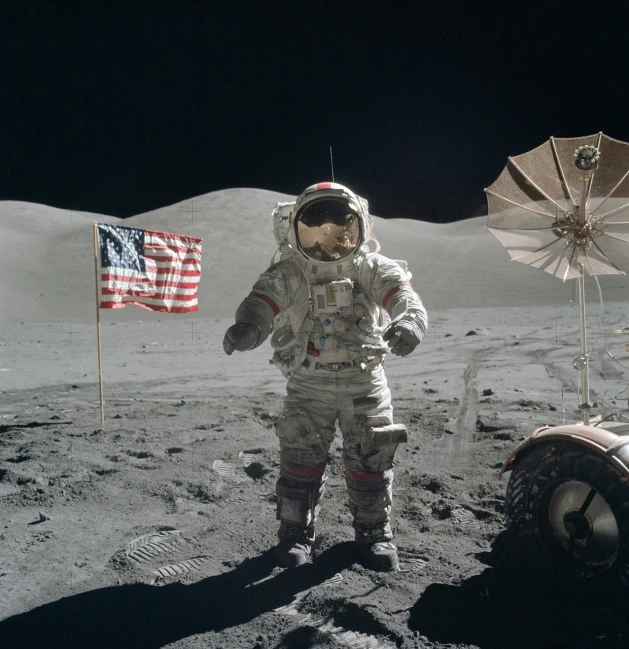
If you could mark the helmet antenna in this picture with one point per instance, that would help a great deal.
(332, 163)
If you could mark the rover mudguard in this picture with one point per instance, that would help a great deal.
(567, 500)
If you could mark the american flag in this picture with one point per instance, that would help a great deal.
(159, 271)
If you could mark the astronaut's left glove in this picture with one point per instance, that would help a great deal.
(403, 336)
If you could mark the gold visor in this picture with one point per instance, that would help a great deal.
(328, 230)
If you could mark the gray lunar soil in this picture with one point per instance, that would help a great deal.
(157, 529)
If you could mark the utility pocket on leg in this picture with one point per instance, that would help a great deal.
(378, 437)
(377, 442)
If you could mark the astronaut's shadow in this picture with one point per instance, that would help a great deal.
(507, 606)
(147, 617)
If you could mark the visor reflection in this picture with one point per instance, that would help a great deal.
(328, 230)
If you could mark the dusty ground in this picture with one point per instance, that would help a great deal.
(156, 529)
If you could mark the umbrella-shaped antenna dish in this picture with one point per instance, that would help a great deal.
(535, 208)
(564, 208)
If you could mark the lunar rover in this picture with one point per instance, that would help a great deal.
(567, 498)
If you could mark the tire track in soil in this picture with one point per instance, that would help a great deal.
(467, 416)
(564, 373)
(451, 448)
(605, 369)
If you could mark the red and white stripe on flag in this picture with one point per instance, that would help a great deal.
(154, 270)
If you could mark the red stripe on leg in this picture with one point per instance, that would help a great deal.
(365, 477)
(302, 471)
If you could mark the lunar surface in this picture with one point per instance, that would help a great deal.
(157, 528)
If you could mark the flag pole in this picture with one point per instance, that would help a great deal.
(100, 362)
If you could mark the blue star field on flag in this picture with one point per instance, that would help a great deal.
(121, 247)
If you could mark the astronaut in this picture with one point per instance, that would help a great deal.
(334, 309)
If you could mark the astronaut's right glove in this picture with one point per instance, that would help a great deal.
(402, 337)
(240, 337)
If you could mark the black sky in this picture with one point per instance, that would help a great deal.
(120, 110)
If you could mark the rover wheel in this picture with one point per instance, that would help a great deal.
(567, 510)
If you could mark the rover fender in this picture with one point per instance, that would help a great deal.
(614, 447)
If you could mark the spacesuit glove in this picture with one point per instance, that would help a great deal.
(402, 337)
(240, 337)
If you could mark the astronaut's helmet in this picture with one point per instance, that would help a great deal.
(330, 222)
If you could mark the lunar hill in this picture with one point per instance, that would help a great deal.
(47, 259)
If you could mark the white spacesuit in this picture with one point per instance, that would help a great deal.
(332, 305)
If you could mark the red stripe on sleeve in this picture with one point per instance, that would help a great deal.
(393, 291)
(270, 301)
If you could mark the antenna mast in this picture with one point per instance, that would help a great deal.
(332, 164)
